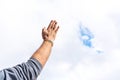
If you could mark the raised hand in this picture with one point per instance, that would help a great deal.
(51, 31)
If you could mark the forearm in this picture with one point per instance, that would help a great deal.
(43, 52)
(48, 35)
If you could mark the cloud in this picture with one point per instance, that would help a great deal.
(86, 36)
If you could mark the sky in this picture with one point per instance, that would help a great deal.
(87, 45)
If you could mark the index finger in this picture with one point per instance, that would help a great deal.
(50, 24)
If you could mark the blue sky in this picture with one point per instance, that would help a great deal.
(74, 56)
(86, 36)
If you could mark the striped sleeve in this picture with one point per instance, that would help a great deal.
(25, 71)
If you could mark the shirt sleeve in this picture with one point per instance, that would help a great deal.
(25, 71)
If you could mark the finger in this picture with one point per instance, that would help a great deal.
(56, 30)
(44, 31)
(50, 24)
(54, 26)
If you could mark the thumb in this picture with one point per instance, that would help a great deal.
(45, 31)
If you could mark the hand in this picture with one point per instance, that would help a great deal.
(51, 31)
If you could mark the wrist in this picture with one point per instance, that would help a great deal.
(49, 41)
